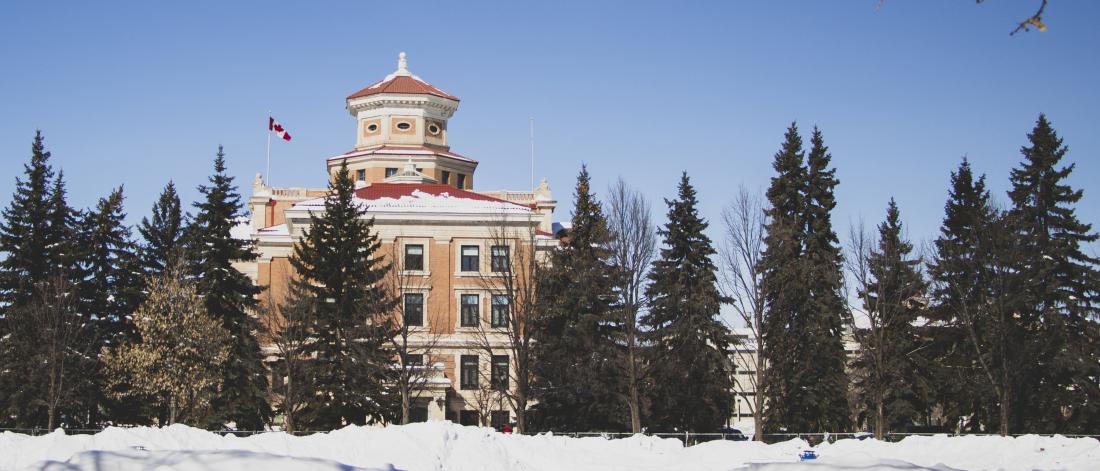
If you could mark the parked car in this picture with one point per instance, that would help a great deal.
(733, 434)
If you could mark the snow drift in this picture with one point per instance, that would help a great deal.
(445, 446)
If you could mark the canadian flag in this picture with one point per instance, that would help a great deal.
(277, 128)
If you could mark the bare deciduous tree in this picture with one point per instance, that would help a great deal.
(511, 329)
(64, 342)
(284, 327)
(633, 247)
(414, 345)
(744, 225)
(181, 351)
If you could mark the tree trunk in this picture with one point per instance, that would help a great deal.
(1004, 404)
(632, 371)
(172, 406)
(289, 402)
(405, 399)
(521, 414)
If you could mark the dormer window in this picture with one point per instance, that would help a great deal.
(391, 171)
(460, 182)
(445, 177)
(361, 175)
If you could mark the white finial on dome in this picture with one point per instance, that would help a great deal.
(402, 65)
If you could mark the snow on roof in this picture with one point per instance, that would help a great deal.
(402, 82)
(425, 198)
(276, 230)
(401, 150)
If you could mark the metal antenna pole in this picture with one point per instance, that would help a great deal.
(532, 152)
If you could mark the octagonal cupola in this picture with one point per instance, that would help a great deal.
(401, 109)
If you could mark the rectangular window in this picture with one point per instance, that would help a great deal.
(391, 171)
(468, 417)
(445, 178)
(500, 260)
(470, 310)
(499, 314)
(460, 183)
(470, 258)
(414, 257)
(361, 175)
(413, 359)
(468, 379)
(498, 375)
(418, 412)
(414, 309)
(498, 418)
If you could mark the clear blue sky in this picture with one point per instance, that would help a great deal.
(141, 93)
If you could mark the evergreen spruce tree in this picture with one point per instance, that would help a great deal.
(229, 296)
(339, 266)
(111, 291)
(964, 330)
(575, 359)
(782, 288)
(689, 353)
(824, 380)
(26, 237)
(806, 385)
(162, 233)
(893, 389)
(25, 234)
(1060, 290)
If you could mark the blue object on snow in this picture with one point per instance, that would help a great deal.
(807, 455)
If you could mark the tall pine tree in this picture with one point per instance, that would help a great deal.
(162, 232)
(110, 293)
(781, 278)
(689, 352)
(36, 242)
(339, 266)
(229, 296)
(893, 389)
(824, 380)
(968, 336)
(575, 359)
(1060, 289)
(806, 385)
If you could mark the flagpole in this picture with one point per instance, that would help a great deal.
(267, 173)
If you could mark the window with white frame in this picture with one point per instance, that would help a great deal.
(470, 312)
(414, 257)
(470, 257)
(414, 309)
(499, 260)
(498, 316)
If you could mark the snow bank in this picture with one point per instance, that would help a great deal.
(445, 446)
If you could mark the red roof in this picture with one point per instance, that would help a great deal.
(396, 190)
(401, 150)
(403, 84)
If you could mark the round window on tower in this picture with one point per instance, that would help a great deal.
(433, 129)
(403, 126)
(372, 127)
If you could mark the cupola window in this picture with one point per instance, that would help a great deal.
(403, 126)
(433, 129)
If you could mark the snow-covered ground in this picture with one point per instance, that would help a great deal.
(445, 446)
